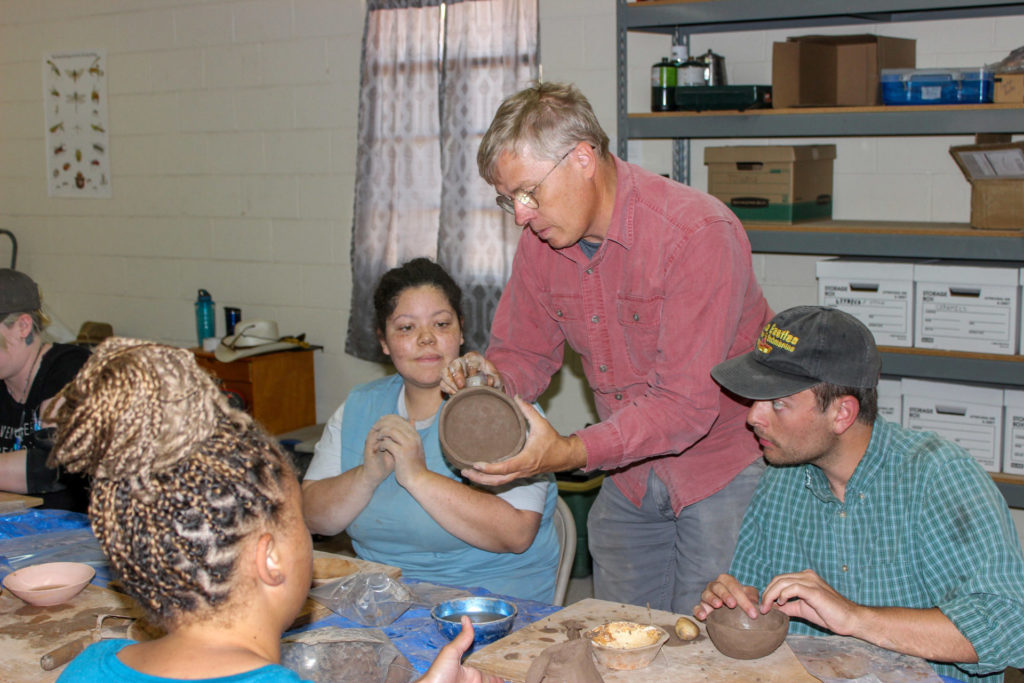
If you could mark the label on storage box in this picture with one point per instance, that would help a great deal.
(1014, 460)
(965, 318)
(993, 163)
(883, 307)
(1013, 433)
(890, 400)
(976, 433)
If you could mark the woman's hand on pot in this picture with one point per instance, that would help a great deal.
(456, 373)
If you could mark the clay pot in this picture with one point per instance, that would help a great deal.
(480, 424)
(738, 636)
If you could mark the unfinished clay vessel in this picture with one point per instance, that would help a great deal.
(480, 424)
(738, 636)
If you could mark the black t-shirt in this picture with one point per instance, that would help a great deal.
(19, 423)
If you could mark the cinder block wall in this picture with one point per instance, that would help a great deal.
(232, 145)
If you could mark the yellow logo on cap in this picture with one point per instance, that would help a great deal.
(775, 337)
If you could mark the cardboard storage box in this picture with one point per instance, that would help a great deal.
(996, 175)
(1009, 88)
(843, 71)
(967, 306)
(774, 183)
(968, 415)
(890, 399)
(1013, 432)
(878, 293)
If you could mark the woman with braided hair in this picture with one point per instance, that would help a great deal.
(199, 513)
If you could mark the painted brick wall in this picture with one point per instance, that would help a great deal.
(232, 151)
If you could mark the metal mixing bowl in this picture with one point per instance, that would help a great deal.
(492, 617)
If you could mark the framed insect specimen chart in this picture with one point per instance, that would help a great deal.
(77, 141)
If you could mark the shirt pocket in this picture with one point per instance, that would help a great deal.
(566, 311)
(640, 320)
(889, 583)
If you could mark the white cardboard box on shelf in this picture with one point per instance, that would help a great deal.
(970, 416)
(1013, 432)
(878, 293)
(890, 399)
(967, 306)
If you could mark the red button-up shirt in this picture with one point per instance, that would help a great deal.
(670, 293)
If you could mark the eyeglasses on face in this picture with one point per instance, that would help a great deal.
(527, 198)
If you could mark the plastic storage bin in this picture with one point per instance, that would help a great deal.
(937, 86)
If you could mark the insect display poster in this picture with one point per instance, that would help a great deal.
(77, 142)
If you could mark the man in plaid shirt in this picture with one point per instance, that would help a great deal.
(860, 527)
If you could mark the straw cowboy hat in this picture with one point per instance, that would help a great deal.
(253, 338)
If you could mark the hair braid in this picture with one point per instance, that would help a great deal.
(179, 477)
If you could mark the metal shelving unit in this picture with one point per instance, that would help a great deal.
(841, 238)
(894, 239)
(966, 119)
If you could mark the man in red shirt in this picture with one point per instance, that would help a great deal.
(650, 282)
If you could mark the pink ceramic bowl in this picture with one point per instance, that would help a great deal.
(49, 584)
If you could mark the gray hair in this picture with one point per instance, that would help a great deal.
(548, 119)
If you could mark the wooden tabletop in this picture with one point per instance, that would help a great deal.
(9, 502)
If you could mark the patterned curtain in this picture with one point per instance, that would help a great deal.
(433, 74)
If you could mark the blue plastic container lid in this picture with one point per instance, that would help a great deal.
(938, 74)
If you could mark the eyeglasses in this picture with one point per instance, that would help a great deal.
(526, 197)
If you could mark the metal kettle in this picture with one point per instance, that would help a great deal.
(714, 68)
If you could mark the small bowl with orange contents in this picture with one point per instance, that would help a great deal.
(626, 645)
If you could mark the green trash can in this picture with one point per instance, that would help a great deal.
(579, 490)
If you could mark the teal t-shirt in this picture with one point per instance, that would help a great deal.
(394, 529)
(99, 662)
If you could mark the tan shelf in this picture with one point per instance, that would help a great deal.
(913, 228)
(833, 111)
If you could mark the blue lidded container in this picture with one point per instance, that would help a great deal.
(937, 86)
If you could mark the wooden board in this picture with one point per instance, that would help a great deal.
(9, 502)
(27, 632)
(697, 660)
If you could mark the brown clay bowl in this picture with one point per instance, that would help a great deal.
(738, 636)
(480, 424)
(626, 645)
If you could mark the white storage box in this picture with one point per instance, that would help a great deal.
(878, 293)
(963, 307)
(1013, 432)
(890, 400)
(968, 415)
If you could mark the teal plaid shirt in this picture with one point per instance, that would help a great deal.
(922, 526)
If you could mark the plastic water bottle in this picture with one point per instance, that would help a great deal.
(206, 324)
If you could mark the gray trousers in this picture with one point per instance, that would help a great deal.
(648, 555)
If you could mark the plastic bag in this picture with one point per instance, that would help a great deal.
(345, 655)
(370, 599)
(1011, 63)
(70, 545)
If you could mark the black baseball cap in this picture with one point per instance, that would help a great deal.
(18, 292)
(801, 348)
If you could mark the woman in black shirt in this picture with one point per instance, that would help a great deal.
(33, 371)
